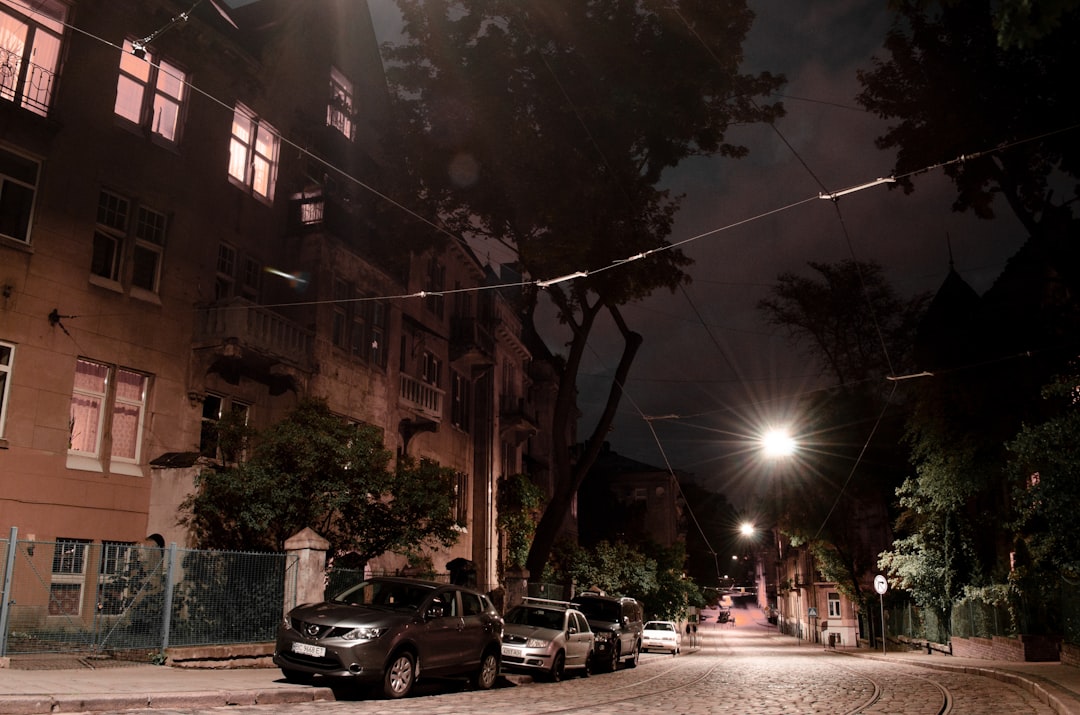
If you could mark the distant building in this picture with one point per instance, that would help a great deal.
(622, 498)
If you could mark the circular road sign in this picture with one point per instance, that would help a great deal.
(881, 584)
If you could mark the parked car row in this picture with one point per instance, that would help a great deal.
(389, 631)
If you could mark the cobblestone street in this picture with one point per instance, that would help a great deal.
(749, 669)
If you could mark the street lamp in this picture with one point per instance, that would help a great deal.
(778, 444)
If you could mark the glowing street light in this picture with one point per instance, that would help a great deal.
(777, 443)
(746, 528)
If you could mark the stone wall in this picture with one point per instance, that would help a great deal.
(1070, 654)
(1030, 649)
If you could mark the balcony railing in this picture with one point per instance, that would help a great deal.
(258, 329)
(421, 397)
(33, 91)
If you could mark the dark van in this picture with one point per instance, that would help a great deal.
(617, 623)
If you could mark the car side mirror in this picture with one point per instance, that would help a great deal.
(572, 630)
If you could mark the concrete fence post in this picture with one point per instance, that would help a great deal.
(310, 551)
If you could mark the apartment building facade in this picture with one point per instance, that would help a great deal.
(187, 232)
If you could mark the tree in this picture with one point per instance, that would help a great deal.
(849, 321)
(314, 469)
(1046, 466)
(520, 123)
(955, 91)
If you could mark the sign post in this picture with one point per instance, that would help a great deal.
(881, 585)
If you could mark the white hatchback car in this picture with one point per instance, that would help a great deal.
(660, 635)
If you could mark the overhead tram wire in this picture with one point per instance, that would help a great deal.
(834, 197)
(582, 272)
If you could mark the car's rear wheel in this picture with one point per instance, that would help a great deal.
(400, 675)
(484, 679)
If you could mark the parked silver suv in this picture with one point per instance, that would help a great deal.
(392, 630)
(617, 623)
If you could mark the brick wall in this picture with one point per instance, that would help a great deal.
(1029, 649)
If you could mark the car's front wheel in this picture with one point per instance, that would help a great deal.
(484, 679)
(400, 675)
(558, 667)
(613, 662)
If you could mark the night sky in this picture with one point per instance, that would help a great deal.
(710, 365)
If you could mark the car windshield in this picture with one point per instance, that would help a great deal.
(600, 610)
(390, 595)
(535, 617)
(658, 626)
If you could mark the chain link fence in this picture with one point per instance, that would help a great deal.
(77, 596)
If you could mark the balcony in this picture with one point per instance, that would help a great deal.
(472, 344)
(33, 90)
(244, 339)
(515, 424)
(421, 398)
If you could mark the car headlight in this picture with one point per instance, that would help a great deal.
(537, 643)
(363, 633)
(286, 622)
(603, 636)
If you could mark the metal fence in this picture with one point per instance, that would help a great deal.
(77, 596)
(918, 624)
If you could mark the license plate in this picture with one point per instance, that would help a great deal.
(316, 651)
(512, 652)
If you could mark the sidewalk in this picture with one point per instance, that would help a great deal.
(131, 687)
(1055, 684)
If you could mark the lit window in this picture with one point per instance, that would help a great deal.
(107, 400)
(127, 415)
(88, 407)
(253, 153)
(339, 112)
(150, 94)
(30, 40)
(114, 235)
(18, 186)
(834, 605)
(7, 357)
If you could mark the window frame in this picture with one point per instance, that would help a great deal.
(111, 406)
(43, 26)
(135, 232)
(254, 154)
(153, 82)
(340, 107)
(75, 576)
(7, 363)
(10, 197)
